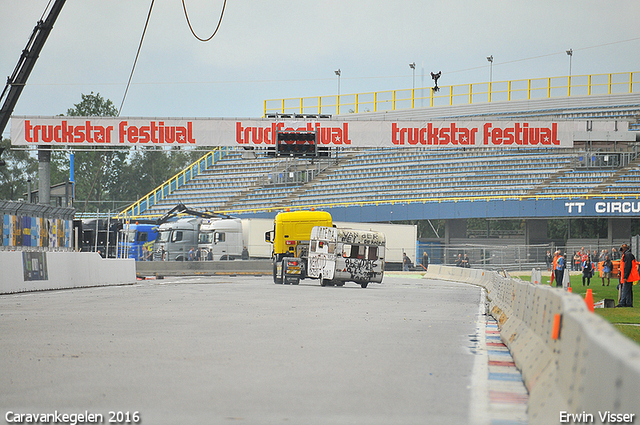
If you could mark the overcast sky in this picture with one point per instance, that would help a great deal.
(278, 48)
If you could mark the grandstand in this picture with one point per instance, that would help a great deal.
(243, 181)
(450, 183)
(236, 184)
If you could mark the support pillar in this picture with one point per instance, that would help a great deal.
(453, 229)
(618, 229)
(44, 175)
(535, 232)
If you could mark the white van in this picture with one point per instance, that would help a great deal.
(338, 255)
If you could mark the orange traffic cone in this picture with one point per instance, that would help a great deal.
(588, 299)
(569, 289)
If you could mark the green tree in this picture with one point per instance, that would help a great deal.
(93, 105)
(95, 170)
(20, 166)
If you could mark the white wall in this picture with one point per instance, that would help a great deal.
(65, 270)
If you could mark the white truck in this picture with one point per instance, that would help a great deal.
(175, 239)
(221, 239)
(339, 255)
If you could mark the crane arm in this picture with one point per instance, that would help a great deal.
(17, 80)
(183, 209)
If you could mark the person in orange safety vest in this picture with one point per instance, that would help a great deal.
(628, 275)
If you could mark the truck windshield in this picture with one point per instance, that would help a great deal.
(205, 237)
(164, 236)
(129, 236)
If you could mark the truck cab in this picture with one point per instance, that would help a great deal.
(175, 239)
(290, 238)
(220, 239)
(136, 238)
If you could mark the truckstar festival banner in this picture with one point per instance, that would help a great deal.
(94, 131)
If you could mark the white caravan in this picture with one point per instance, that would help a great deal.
(338, 255)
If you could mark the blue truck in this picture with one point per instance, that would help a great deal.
(137, 241)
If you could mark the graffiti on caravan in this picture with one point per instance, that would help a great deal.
(360, 270)
(355, 237)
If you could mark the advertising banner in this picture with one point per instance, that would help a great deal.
(99, 131)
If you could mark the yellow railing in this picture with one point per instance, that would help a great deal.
(173, 184)
(462, 94)
(411, 201)
(432, 200)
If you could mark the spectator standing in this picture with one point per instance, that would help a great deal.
(465, 261)
(585, 256)
(587, 272)
(406, 262)
(607, 269)
(603, 255)
(628, 275)
(575, 264)
(425, 260)
(559, 266)
(549, 260)
(615, 255)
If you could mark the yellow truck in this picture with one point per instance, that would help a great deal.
(290, 238)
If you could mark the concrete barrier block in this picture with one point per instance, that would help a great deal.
(61, 270)
(571, 359)
(12, 273)
(608, 380)
(590, 368)
(545, 399)
(530, 305)
(520, 301)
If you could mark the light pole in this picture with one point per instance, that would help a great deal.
(490, 59)
(412, 65)
(338, 73)
(570, 54)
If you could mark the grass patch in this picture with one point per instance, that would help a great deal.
(623, 316)
(631, 332)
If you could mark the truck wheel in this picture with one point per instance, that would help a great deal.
(276, 279)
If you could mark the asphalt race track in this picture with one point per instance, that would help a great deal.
(225, 350)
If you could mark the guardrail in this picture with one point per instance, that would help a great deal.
(461, 94)
(572, 361)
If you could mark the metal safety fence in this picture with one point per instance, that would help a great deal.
(461, 94)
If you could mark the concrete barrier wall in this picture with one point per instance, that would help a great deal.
(61, 270)
(591, 368)
(190, 268)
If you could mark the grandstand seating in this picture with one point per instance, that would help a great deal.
(627, 182)
(380, 175)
